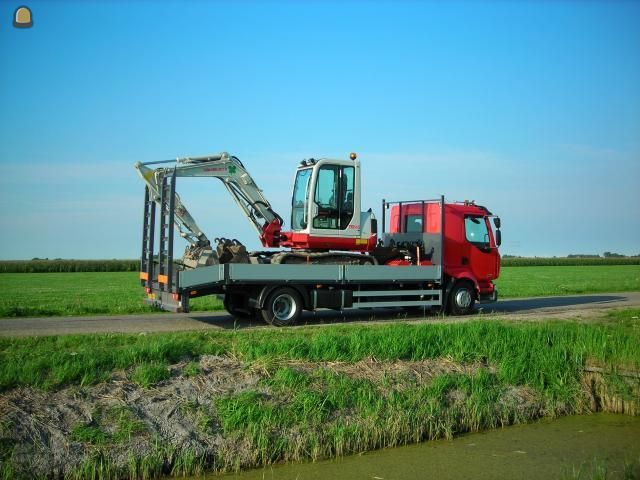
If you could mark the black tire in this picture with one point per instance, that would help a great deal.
(283, 307)
(237, 310)
(462, 298)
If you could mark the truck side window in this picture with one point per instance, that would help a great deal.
(476, 231)
(413, 223)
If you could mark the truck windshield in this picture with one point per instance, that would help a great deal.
(299, 200)
(476, 231)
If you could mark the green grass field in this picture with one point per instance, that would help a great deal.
(549, 281)
(88, 293)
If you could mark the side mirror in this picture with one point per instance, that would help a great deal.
(496, 221)
(498, 237)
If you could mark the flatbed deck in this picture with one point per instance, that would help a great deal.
(230, 274)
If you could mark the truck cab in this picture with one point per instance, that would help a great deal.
(467, 247)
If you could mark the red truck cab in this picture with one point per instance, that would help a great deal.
(467, 250)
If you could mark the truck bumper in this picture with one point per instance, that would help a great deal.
(166, 301)
(489, 297)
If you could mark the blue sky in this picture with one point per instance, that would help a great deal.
(530, 108)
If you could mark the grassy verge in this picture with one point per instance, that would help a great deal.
(321, 392)
(93, 293)
(544, 355)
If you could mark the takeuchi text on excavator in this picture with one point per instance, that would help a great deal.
(326, 227)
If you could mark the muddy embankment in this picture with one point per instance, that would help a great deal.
(119, 429)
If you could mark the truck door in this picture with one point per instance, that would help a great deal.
(483, 251)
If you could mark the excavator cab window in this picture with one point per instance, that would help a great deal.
(346, 213)
(300, 200)
(334, 197)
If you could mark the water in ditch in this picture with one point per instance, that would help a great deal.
(546, 449)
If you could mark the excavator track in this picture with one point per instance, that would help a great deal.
(323, 258)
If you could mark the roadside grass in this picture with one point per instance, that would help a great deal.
(626, 318)
(149, 373)
(50, 362)
(545, 355)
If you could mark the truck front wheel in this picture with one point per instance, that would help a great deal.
(462, 298)
(283, 307)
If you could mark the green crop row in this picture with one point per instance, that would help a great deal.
(64, 266)
(567, 262)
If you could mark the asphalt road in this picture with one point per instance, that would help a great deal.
(569, 307)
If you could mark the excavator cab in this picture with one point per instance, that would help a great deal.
(325, 208)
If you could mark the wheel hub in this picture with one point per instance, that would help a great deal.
(463, 298)
(284, 307)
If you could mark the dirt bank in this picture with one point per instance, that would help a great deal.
(120, 429)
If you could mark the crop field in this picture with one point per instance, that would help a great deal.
(94, 293)
(570, 280)
(129, 265)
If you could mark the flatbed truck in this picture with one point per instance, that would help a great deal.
(429, 254)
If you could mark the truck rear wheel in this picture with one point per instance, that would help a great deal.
(283, 307)
(462, 298)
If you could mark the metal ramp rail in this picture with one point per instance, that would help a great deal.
(157, 273)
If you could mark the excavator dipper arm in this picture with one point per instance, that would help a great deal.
(237, 181)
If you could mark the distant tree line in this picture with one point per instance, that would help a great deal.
(58, 265)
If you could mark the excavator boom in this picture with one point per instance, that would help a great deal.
(237, 181)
